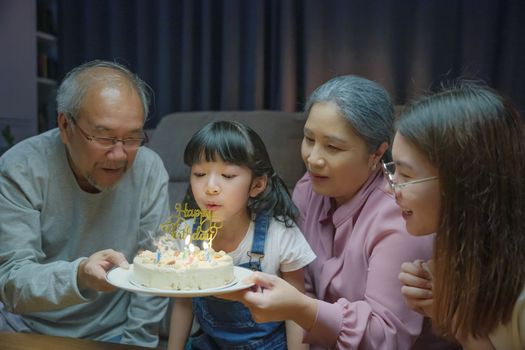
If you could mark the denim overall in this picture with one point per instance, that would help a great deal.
(229, 324)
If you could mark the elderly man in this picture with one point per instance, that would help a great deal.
(77, 201)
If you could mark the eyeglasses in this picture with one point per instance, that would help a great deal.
(130, 143)
(390, 169)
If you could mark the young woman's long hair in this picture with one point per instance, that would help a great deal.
(476, 140)
(238, 144)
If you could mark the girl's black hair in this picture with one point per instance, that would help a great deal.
(238, 144)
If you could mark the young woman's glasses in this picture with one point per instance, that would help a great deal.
(130, 143)
(390, 169)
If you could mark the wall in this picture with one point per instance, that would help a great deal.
(18, 85)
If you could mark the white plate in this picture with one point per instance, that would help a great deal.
(121, 278)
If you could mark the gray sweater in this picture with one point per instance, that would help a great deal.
(48, 225)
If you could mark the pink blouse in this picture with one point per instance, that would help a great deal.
(360, 247)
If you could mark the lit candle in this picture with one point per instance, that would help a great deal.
(206, 251)
(192, 249)
(186, 242)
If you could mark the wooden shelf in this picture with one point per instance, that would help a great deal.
(47, 63)
(46, 37)
(46, 81)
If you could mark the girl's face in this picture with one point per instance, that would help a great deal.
(335, 156)
(224, 188)
(419, 202)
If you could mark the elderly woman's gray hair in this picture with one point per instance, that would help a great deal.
(77, 82)
(363, 103)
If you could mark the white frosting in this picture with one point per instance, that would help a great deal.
(179, 271)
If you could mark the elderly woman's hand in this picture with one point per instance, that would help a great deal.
(417, 286)
(273, 299)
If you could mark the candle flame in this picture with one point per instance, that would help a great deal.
(205, 245)
(187, 240)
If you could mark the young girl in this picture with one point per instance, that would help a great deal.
(459, 171)
(232, 176)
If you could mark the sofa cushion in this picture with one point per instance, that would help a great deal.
(282, 133)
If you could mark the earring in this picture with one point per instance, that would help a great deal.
(374, 167)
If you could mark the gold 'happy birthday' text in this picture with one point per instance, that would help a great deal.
(179, 229)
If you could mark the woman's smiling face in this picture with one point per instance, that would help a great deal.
(420, 202)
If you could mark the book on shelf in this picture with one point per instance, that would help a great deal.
(46, 66)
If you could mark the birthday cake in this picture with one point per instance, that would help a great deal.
(175, 270)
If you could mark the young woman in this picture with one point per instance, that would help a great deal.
(231, 175)
(354, 227)
(459, 171)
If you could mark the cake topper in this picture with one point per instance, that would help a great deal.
(206, 230)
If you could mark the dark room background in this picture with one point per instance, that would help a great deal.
(270, 54)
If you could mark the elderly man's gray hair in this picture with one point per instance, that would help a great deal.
(73, 88)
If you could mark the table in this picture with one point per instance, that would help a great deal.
(32, 341)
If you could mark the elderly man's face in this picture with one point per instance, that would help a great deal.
(107, 111)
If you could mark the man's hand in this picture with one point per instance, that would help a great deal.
(92, 271)
(417, 286)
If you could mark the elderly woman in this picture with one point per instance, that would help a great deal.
(354, 227)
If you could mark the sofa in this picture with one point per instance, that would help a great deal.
(281, 132)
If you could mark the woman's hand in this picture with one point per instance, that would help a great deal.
(417, 286)
(274, 299)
